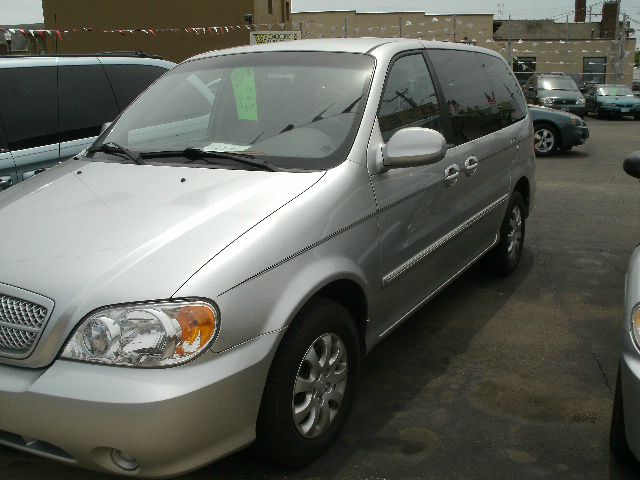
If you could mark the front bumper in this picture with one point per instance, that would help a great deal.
(169, 420)
(575, 109)
(615, 110)
(574, 135)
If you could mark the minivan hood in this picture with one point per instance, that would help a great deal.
(86, 234)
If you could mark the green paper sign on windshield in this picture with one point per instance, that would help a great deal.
(244, 89)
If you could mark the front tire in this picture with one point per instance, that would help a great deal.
(545, 140)
(617, 434)
(310, 386)
(505, 256)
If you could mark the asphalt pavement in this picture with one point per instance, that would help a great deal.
(494, 378)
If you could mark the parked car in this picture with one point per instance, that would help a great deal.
(625, 420)
(252, 225)
(555, 91)
(612, 100)
(555, 130)
(51, 107)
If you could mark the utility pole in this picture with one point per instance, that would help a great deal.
(400, 27)
(454, 28)
(567, 28)
(509, 49)
(619, 44)
(590, 10)
(346, 27)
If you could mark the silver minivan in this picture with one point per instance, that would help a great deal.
(211, 271)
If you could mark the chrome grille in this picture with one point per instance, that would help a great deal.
(20, 324)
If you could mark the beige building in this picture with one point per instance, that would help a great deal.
(163, 21)
(530, 45)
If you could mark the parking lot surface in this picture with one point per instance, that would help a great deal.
(494, 378)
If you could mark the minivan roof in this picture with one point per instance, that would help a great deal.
(347, 45)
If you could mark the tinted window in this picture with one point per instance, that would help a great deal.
(471, 103)
(506, 96)
(409, 98)
(86, 101)
(29, 106)
(128, 81)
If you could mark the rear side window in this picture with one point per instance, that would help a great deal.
(129, 81)
(29, 106)
(509, 102)
(409, 98)
(86, 101)
(471, 103)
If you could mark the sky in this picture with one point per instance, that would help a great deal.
(30, 11)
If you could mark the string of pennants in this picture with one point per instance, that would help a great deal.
(208, 30)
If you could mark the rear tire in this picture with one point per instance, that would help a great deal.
(310, 386)
(503, 259)
(617, 435)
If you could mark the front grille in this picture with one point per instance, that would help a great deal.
(20, 324)
(561, 101)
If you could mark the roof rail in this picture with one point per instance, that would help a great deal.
(129, 53)
(124, 53)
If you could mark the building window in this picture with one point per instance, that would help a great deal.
(524, 67)
(270, 6)
(594, 69)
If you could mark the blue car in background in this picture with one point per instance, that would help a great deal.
(556, 130)
(612, 100)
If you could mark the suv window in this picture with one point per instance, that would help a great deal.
(472, 105)
(86, 101)
(409, 98)
(505, 92)
(128, 81)
(29, 106)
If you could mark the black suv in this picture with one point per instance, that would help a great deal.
(555, 91)
(52, 107)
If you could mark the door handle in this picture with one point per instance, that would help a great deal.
(5, 182)
(471, 165)
(451, 175)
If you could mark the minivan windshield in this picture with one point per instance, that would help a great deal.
(294, 110)
(558, 83)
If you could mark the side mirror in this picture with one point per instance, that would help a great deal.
(104, 127)
(631, 164)
(412, 147)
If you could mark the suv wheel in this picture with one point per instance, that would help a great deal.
(545, 139)
(310, 386)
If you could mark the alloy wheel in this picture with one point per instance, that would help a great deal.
(320, 385)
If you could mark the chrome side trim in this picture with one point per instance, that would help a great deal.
(438, 290)
(392, 276)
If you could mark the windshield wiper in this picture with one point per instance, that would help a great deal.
(195, 154)
(117, 149)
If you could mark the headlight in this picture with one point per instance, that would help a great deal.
(580, 101)
(158, 334)
(635, 323)
(575, 121)
(546, 101)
